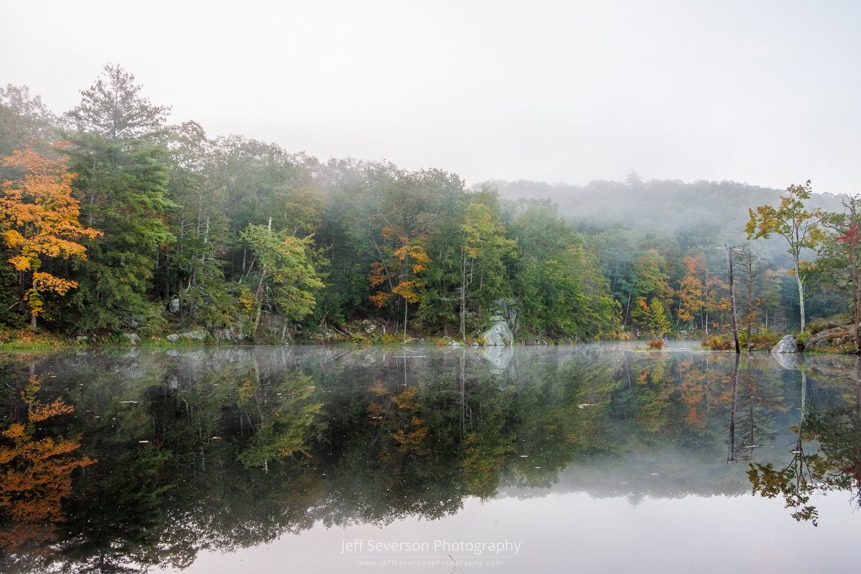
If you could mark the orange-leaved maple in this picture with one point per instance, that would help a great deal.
(39, 219)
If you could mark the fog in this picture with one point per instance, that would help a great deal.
(761, 92)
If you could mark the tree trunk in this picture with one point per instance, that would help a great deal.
(406, 312)
(800, 295)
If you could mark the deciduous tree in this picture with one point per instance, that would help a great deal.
(39, 220)
(840, 254)
(286, 279)
(796, 224)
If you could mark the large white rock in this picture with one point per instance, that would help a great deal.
(786, 345)
(498, 335)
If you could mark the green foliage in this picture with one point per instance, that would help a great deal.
(175, 206)
(839, 262)
(287, 425)
(761, 341)
(286, 279)
(796, 224)
(557, 284)
(651, 317)
(114, 108)
(123, 193)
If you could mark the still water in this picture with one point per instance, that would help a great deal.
(583, 459)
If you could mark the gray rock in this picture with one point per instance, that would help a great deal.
(173, 338)
(173, 306)
(195, 335)
(498, 335)
(82, 339)
(132, 338)
(229, 335)
(786, 345)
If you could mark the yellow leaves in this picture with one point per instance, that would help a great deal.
(15, 431)
(39, 412)
(13, 239)
(407, 290)
(392, 232)
(378, 274)
(408, 259)
(247, 299)
(407, 399)
(246, 390)
(41, 220)
(380, 298)
(47, 283)
(20, 263)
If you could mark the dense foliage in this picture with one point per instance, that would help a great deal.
(242, 239)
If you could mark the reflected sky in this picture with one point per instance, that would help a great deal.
(576, 532)
(593, 458)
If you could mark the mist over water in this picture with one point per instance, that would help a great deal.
(249, 454)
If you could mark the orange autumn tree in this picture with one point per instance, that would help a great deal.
(39, 221)
(407, 259)
(691, 289)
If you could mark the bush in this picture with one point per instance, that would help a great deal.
(656, 344)
(763, 341)
(716, 343)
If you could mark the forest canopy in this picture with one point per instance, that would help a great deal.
(159, 228)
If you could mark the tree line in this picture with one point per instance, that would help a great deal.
(114, 220)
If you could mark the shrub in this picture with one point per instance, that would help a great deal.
(764, 341)
(656, 344)
(716, 343)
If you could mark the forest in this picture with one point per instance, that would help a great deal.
(116, 223)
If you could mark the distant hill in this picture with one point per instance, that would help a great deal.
(692, 214)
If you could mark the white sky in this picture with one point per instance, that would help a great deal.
(760, 91)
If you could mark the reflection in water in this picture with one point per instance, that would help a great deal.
(837, 462)
(36, 465)
(229, 448)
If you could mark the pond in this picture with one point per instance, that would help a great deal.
(590, 458)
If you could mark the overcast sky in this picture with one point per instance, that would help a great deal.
(764, 92)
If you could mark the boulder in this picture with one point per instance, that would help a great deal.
(786, 345)
(195, 335)
(174, 305)
(132, 338)
(173, 338)
(498, 335)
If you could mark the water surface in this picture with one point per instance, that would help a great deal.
(593, 458)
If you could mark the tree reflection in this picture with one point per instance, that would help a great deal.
(231, 448)
(36, 467)
(834, 466)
